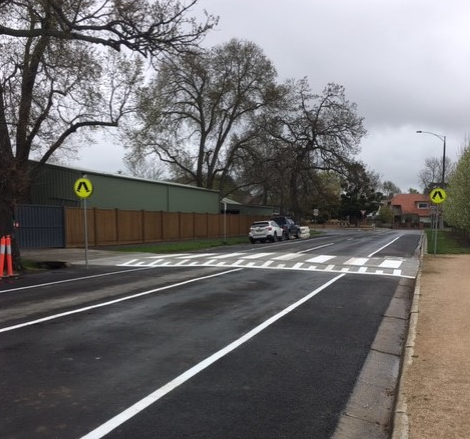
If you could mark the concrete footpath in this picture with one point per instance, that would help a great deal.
(433, 400)
(434, 391)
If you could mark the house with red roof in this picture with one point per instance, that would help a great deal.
(411, 210)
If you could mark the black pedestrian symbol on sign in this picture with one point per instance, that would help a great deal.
(82, 185)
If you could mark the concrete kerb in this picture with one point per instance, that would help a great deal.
(382, 377)
(401, 426)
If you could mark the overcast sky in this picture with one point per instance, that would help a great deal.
(405, 63)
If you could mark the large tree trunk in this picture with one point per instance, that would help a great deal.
(15, 187)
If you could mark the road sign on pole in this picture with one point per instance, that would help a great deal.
(83, 188)
(437, 195)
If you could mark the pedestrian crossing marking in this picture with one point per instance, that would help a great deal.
(229, 255)
(257, 256)
(320, 259)
(197, 255)
(357, 261)
(288, 256)
(389, 263)
(272, 261)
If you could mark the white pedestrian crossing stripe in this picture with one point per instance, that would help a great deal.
(357, 261)
(320, 259)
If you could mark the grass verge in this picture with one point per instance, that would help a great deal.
(185, 246)
(448, 242)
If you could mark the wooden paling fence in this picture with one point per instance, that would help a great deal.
(118, 227)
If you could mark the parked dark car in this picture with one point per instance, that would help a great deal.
(288, 225)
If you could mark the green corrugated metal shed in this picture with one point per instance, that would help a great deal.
(54, 185)
(233, 206)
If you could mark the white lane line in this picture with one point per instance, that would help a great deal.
(112, 302)
(386, 245)
(320, 259)
(356, 261)
(316, 248)
(94, 276)
(135, 409)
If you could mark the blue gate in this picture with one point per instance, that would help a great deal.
(39, 226)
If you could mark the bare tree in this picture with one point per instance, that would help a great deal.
(198, 112)
(58, 76)
(143, 167)
(431, 175)
(389, 189)
(311, 133)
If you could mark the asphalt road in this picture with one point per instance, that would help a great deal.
(257, 341)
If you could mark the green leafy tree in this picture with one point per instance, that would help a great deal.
(457, 204)
(359, 193)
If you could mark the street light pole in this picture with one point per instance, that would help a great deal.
(443, 139)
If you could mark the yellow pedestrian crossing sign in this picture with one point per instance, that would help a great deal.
(83, 188)
(438, 195)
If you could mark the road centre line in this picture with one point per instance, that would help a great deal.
(141, 405)
(381, 248)
(112, 302)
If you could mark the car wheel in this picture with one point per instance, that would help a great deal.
(252, 240)
(273, 238)
(280, 238)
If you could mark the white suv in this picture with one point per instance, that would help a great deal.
(265, 231)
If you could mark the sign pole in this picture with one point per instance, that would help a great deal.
(84, 188)
(438, 196)
(85, 223)
(225, 222)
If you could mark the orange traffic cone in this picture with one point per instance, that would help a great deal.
(9, 257)
(2, 255)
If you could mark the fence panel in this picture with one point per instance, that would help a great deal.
(115, 227)
(39, 226)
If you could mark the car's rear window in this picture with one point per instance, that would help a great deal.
(260, 224)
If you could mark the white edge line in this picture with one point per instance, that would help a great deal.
(112, 302)
(386, 245)
(136, 408)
